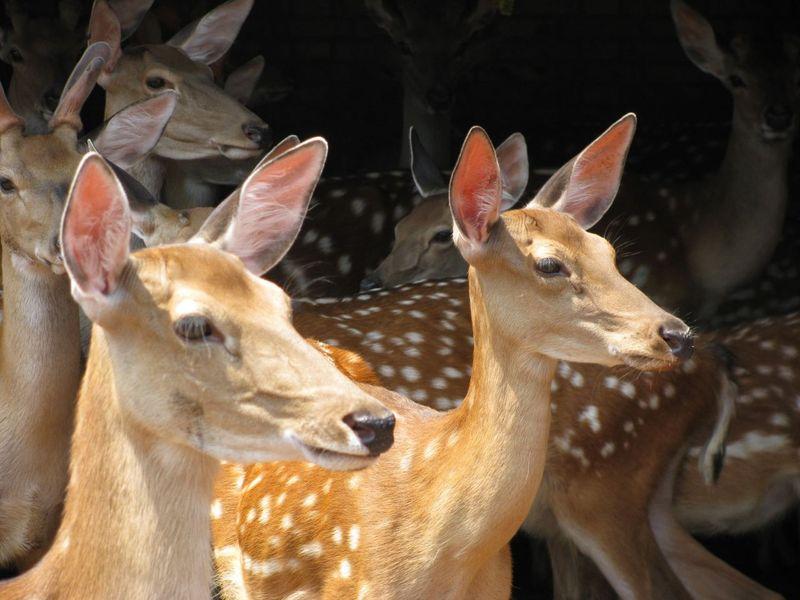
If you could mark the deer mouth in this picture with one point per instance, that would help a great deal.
(334, 460)
(236, 152)
(644, 362)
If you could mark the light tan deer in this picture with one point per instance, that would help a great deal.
(432, 518)
(235, 382)
(694, 243)
(40, 360)
(207, 122)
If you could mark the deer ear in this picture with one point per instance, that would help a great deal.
(586, 186)
(130, 14)
(697, 38)
(95, 233)
(475, 189)
(79, 86)
(207, 39)
(135, 130)
(241, 82)
(104, 27)
(260, 223)
(426, 175)
(512, 156)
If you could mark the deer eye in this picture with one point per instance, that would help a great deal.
(195, 328)
(6, 185)
(15, 55)
(550, 267)
(442, 237)
(737, 81)
(155, 83)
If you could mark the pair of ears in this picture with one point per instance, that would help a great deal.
(258, 223)
(205, 40)
(512, 158)
(584, 188)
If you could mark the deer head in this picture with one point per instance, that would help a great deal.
(572, 300)
(222, 335)
(41, 52)
(761, 73)
(207, 122)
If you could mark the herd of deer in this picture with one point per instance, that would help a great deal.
(216, 434)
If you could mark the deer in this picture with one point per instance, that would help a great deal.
(145, 448)
(207, 123)
(419, 341)
(688, 264)
(302, 531)
(40, 364)
(437, 45)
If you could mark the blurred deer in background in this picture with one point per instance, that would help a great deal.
(208, 123)
(40, 365)
(434, 515)
(146, 449)
(41, 51)
(696, 242)
(435, 43)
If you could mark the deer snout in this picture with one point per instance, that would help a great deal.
(375, 432)
(778, 117)
(258, 133)
(679, 338)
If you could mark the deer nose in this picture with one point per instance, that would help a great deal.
(376, 433)
(778, 117)
(370, 282)
(679, 338)
(258, 134)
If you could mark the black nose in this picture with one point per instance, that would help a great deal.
(51, 98)
(778, 117)
(439, 98)
(376, 433)
(370, 282)
(679, 339)
(258, 134)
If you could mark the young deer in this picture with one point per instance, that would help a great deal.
(207, 123)
(40, 357)
(432, 518)
(238, 384)
(435, 41)
(700, 240)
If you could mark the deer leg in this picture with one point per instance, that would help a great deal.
(620, 542)
(575, 577)
(493, 580)
(702, 573)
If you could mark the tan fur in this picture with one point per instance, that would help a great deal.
(455, 487)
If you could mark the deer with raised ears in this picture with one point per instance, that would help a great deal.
(433, 516)
(435, 43)
(41, 51)
(40, 361)
(207, 123)
(239, 384)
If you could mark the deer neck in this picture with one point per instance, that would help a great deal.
(433, 129)
(739, 212)
(39, 372)
(150, 172)
(136, 521)
(502, 428)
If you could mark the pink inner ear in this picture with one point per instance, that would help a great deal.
(600, 165)
(95, 222)
(475, 189)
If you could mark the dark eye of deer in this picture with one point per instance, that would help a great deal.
(194, 328)
(442, 237)
(155, 83)
(15, 55)
(549, 267)
(737, 81)
(6, 185)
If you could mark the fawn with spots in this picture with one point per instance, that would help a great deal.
(695, 242)
(40, 362)
(238, 383)
(433, 516)
(601, 421)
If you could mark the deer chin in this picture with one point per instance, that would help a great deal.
(771, 136)
(334, 460)
(646, 362)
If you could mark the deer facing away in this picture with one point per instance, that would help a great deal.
(321, 534)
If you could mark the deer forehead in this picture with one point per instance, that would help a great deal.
(173, 60)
